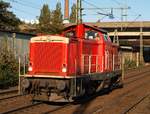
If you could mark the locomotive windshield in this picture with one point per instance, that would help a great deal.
(70, 34)
(92, 35)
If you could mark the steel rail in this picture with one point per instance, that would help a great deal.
(8, 92)
(56, 109)
(20, 108)
(13, 96)
(119, 97)
(135, 104)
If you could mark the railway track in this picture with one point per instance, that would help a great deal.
(56, 109)
(118, 100)
(12, 102)
(45, 108)
(20, 108)
(135, 104)
(136, 77)
(48, 108)
(122, 96)
(105, 102)
(12, 96)
(138, 72)
(8, 94)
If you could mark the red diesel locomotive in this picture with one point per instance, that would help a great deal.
(80, 61)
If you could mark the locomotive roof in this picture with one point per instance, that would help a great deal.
(87, 26)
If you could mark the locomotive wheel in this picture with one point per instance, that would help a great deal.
(90, 89)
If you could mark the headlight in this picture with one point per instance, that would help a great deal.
(64, 68)
(29, 68)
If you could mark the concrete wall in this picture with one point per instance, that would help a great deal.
(18, 42)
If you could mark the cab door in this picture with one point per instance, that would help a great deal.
(72, 58)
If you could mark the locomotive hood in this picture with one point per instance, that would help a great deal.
(48, 55)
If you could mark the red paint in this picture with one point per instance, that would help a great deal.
(49, 58)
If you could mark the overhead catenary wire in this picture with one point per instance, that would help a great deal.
(117, 2)
(130, 23)
(103, 12)
(31, 3)
(23, 11)
(94, 6)
(91, 4)
(24, 4)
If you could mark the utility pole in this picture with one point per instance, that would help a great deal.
(116, 39)
(141, 43)
(79, 11)
(126, 10)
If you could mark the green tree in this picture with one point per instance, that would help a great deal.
(57, 19)
(45, 20)
(8, 65)
(73, 14)
(51, 21)
(8, 21)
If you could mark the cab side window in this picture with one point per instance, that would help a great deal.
(70, 34)
(89, 35)
(92, 35)
(105, 37)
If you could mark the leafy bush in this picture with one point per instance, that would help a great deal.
(130, 64)
(8, 66)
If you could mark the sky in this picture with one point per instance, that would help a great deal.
(138, 9)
